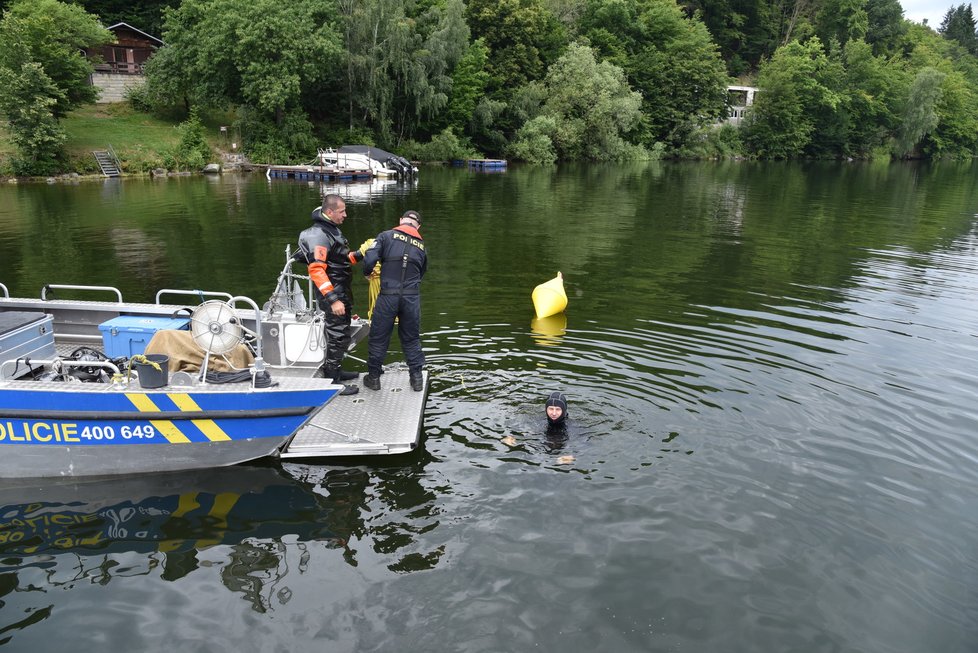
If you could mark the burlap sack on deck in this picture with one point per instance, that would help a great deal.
(186, 356)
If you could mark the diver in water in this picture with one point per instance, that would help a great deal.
(556, 411)
(556, 436)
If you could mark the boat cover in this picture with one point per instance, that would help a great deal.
(13, 320)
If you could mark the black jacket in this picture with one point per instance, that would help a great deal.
(327, 253)
(403, 258)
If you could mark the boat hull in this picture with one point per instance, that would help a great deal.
(57, 432)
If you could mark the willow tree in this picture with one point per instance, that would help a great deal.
(398, 65)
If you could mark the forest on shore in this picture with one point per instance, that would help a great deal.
(532, 80)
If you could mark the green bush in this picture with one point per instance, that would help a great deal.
(289, 141)
(445, 146)
(717, 142)
(534, 141)
(139, 99)
(192, 152)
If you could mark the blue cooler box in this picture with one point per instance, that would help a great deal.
(128, 335)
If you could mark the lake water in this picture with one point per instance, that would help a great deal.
(772, 373)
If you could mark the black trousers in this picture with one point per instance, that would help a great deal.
(337, 332)
(407, 310)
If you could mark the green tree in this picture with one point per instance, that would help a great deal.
(145, 15)
(523, 38)
(956, 134)
(54, 35)
(398, 67)
(744, 30)
(874, 88)
(469, 81)
(842, 20)
(886, 26)
(534, 142)
(269, 59)
(590, 107)
(920, 116)
(793, 93)
(28, 102)
(44, 75)
(192, 151)
(167, 82)
(959, 26)
(670, 59)
(256, 53)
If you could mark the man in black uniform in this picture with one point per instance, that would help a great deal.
(330, 262)
(403, 260)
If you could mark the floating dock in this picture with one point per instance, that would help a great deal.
(491, 165)
(317, 173)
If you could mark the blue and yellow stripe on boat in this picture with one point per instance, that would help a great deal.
(185, 403)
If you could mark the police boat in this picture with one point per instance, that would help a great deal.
(196, 379)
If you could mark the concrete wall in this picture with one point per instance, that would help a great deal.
(113, 87)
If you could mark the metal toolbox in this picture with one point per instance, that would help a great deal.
(25, 334)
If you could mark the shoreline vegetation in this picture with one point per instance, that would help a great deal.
(144, 143)
(534, 81)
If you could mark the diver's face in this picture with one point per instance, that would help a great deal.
(554, 412)
(337, 215)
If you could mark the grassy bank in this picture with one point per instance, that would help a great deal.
(139, 139)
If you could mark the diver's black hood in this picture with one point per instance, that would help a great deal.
(557, 399)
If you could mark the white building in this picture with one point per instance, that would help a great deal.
(741, 98)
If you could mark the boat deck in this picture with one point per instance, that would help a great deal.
(383, 422)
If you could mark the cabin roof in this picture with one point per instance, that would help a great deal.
(113, 28)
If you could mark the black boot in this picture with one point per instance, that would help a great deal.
(337, 376)
(417, 381)
(372, 381)
(323, 373)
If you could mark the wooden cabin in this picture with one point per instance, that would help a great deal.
(122, 62)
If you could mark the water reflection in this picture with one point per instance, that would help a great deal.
(408, 509)
(363, 192)
(259, 526)
(548, 331)
(170, 513)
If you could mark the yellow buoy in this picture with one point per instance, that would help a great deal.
(549, 298)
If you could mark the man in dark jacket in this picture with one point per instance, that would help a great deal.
(401, 253)
(330, 262)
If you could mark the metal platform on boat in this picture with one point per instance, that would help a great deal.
(383, 422)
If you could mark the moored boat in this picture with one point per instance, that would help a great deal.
(367, 157)
(71, 405)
